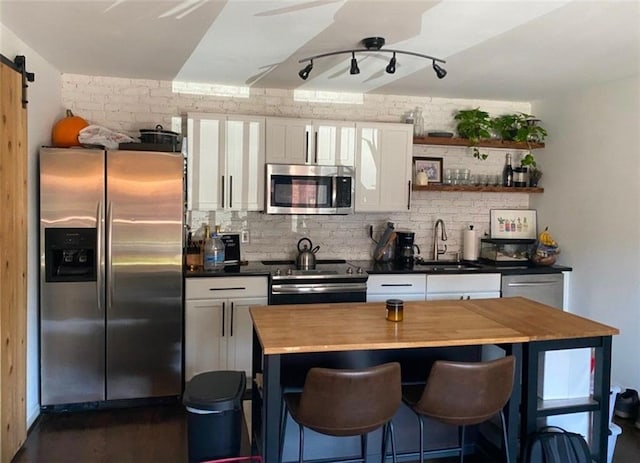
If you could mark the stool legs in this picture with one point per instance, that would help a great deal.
(504, 436)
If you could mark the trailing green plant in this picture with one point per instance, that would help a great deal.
(474, 125)
(519, 127)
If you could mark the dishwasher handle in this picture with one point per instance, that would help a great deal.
(520, 284)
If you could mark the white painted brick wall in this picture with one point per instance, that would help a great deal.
(128, 105)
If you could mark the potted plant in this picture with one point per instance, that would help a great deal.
(529, 162)
(474, 125)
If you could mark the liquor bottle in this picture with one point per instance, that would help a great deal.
(214, 252)
(507, 172)
(193, 260)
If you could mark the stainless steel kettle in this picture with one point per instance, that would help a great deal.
(306, 259)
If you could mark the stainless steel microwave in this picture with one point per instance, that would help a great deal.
(309, 189)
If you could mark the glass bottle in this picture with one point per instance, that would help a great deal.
(418, 123)
(507, 172)
(214, 252)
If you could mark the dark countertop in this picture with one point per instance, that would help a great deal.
(256, 268)
(374, 268)
(250, 269)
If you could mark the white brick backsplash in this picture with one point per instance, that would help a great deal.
(127, 105)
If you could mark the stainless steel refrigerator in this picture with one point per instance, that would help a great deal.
(111, 228)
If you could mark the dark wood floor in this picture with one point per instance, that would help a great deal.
(159, 435)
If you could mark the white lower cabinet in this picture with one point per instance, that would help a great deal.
(465, 286)
(218, 327)
(405, 286)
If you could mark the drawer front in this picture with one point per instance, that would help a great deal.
(392, 284)
(463, 283)
(226, 287)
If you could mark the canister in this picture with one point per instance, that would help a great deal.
(395, 308)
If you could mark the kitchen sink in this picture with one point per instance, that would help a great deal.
(445, 266)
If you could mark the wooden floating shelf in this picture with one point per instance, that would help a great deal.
(476, 188)
(444, 141)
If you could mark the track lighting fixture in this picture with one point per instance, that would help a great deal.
(439, 71)
(391, 67)
(372, 45)
(304, 73)
(354, 65)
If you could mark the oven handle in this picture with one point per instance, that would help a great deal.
(301, 288)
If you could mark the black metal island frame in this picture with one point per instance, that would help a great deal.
(290, 339)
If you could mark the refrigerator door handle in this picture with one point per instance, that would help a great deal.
(99, 261)
(230, 191)
(109, 264)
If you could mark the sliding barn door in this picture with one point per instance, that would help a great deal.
(13, 262)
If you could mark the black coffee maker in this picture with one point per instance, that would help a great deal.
(405, 248)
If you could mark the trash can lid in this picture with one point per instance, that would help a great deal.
(216, 391)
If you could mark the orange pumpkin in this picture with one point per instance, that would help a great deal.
(65, 131)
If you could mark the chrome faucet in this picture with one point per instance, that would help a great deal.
(443, 237)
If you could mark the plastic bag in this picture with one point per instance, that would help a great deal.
(98, 135)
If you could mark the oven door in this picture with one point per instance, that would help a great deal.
(316, 293)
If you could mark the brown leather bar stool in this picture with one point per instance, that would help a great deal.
(463, 394)
(346, 403)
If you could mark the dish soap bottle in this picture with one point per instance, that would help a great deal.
(214, 252)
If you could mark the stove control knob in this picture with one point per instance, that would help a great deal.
(349, 270)
(360, 270)
(289, 271)
(277, 272)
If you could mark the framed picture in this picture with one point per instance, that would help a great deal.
(431, 166)
(513, 224)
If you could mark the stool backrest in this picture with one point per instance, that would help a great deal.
(346, 401)
(466, 393)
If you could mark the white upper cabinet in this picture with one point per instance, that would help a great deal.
(304, 141)
(383, 167)
(225, 162)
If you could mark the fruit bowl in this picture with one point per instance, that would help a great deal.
(546, 260)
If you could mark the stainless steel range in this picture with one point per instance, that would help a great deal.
(333, 280)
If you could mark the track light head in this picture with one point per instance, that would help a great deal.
(354, 65)
(304, 73)
(391, 67)
(439, 71)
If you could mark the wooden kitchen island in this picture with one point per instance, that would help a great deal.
(290, 339)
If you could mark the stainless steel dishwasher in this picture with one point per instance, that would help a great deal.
(546, 288)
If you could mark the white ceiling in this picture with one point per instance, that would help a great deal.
(506, 50)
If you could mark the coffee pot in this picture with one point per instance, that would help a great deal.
(405, 247)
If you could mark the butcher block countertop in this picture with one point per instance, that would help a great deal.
(304, 328)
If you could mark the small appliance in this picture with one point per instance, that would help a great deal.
(309, 189)
(405, 255)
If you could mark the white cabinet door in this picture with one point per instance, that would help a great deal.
(219, 331)
(239, 341)
(383, 167)
(244, 164)
(225, 162)
(334, 143)
(464, 286)
(287, 140)
(205, 150)
(303, 141)
(462, 296)
(205, 346)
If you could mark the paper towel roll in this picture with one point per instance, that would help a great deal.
(470, 245)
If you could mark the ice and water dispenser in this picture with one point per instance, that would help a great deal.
(70, 254)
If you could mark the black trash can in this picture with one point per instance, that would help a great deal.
(214, 421)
